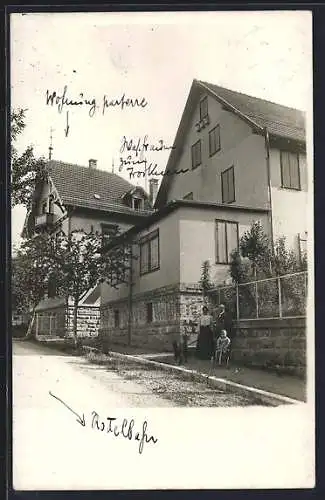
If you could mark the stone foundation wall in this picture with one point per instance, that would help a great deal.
(276, 343)
(88, 319)
(170, 307)
(56, 323)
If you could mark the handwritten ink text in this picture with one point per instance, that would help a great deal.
(148, 168)
(142, 145)
(126, 430)
(124, 102)
(62, 100)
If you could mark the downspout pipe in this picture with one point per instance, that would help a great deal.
(268, 169)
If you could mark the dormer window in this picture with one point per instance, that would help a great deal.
(137, 204)
(135, 198)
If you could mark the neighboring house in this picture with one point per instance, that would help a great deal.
(81, 198)
(240, 159)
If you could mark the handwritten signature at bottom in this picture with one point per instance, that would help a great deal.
(126, 429)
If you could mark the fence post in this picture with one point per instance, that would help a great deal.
(219, 296)
(37, 320)
(237, 301)
(256, 299)
(50, 317)
(280, 297)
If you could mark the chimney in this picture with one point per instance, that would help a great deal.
(153, 190)
(92, 163)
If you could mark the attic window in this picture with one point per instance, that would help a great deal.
(203, 108)
(97, 196)
(137, 203)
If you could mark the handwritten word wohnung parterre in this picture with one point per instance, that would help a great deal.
(61, 100)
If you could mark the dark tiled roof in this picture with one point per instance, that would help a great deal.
(77, 186)
(280, 120)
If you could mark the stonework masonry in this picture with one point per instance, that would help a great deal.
(276, 343)
(157, 317)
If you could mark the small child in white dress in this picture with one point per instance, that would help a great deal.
(222, 345)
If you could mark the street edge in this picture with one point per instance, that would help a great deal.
(266, 397)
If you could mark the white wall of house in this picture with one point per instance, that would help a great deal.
(169, 270)
(187, 238)
(198, 240)
(289, 206)
(239, 147)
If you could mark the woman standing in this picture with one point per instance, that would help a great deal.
(204, 347)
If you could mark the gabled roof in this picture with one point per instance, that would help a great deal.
(90, 187)
(280, 121)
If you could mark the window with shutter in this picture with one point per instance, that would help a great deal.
(214, 140)
(149, 253)
(196, 154)
(290, 174)
(228, 185)
(203, 108)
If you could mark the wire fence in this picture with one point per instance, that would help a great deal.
(279, 297)
(49, 323)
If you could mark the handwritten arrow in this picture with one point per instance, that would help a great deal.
(66, 130)
(80, 420)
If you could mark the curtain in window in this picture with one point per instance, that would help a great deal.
(231, 186)
(285, 164)
(154, 253)
(232, 238)
(221, 255)
(294, 171)
(144, 257)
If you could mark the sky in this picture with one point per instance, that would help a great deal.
(151, 56)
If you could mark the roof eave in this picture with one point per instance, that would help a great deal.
(173, 205)
(114, 210)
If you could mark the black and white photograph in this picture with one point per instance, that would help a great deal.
(162, 306)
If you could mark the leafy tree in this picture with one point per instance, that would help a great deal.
(77, 261)
(25, 168)
(205, 280)
(29, 275)
(240, 269)
(254, 244)
(293, 288)
(284, 260)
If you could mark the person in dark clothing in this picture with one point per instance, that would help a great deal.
(180, 346)
(177, 351)
(205, 344)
